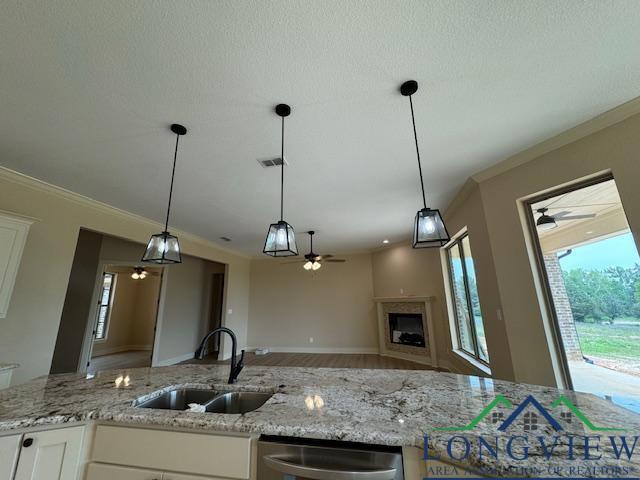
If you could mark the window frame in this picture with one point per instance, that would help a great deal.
(108, 305)
(454, 320)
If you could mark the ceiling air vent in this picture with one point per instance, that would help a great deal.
(271, 162)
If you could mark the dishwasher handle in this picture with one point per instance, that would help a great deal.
(314, 473)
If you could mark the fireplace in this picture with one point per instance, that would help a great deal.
(406, 329)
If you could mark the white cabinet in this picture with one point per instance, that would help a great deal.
(226, 456)
(50, 455)
(13, 235)
(9, 449)
(100, 471)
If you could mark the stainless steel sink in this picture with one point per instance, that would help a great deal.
(179, 399)
(214, 401)
(237, 402)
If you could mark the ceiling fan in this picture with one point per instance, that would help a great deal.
(140, 273)
(547, 222)
(313, 261)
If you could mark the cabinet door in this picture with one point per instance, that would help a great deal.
(50, 455)
(182, 476)
(9, 448)
(100, 471)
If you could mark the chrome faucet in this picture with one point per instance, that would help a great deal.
(235, 367)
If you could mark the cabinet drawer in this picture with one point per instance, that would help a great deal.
(202, 454)
(98, 471)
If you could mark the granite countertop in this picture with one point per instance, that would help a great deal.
(385, 407)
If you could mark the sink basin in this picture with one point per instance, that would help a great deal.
(214, 401)
(237, 402)
(179, 399)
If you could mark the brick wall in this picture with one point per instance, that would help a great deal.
(563, 307)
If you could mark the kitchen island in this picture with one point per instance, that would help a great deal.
(379, 407)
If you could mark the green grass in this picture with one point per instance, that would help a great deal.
(610, 341)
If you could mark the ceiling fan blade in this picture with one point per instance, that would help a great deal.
(335, 260)
(560, 214)
(327, 256)
(575, 217)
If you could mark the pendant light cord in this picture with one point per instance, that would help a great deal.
(415, 137)
(282, 173)
(173, 173)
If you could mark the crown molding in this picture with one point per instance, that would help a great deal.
(45, 187)
(593, 125)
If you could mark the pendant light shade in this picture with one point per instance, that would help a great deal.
(163, 248)
(429, 229)
(281, 238)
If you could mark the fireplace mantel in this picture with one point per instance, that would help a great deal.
(426, 355)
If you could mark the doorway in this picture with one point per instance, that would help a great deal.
(125, 317)
(592, 277)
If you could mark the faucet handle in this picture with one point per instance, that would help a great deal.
(241, 362)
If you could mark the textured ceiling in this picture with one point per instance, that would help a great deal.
(88, 89)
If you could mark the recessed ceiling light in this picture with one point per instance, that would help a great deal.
(589, 232)
(385, 241)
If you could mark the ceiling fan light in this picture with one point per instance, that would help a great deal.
(316, 266)
(163, 248)
(308, 266)
(545, 222)
(135, 275)
(280, 241)
(429, 229)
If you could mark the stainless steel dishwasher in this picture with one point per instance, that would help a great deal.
(283, 458)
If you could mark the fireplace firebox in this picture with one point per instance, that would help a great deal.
(406, 329)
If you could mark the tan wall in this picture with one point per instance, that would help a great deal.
(468, 212)
(333, 305)
(30, 328)
(77, 303)
(516, 288)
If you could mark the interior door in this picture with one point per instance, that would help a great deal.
(50, 455)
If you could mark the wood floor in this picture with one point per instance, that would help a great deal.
(322, 360)
(120, 360)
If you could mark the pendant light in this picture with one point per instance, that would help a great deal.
(429, 229)
(163, 248)
(281, 239)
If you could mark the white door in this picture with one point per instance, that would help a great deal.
(50, 455)
(9, 448)
(101, 471)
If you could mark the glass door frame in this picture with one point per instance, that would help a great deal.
(542, 271)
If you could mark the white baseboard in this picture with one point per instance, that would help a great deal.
(120, 348)
(174, 360)
(318, 349)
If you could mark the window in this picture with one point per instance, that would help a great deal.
(104, 305)
(469, 326)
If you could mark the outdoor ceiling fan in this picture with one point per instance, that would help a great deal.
(312, 261)
(547, 222)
